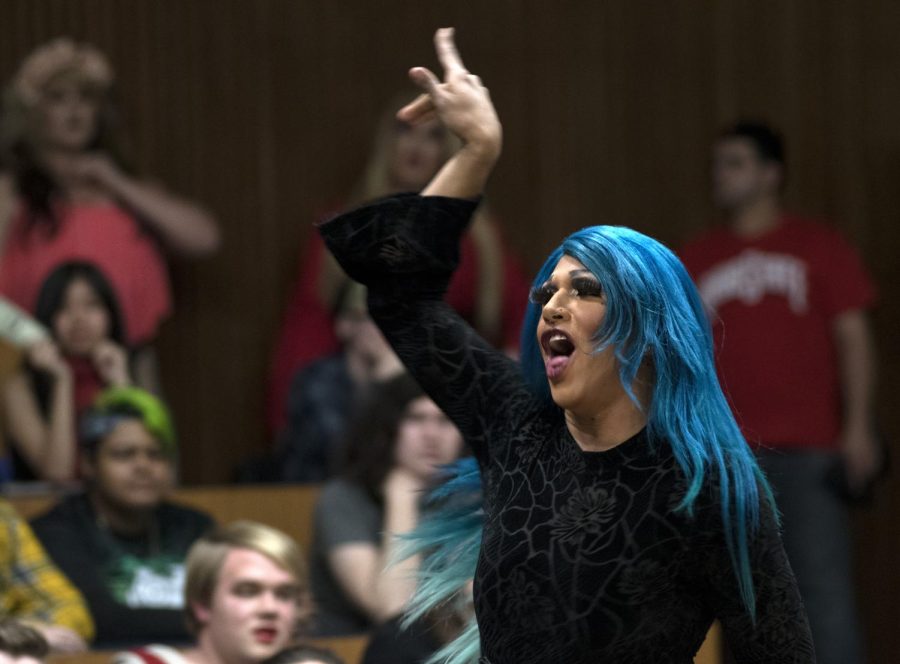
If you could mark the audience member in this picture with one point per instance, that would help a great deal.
(304, 654)
(245, 595)
(489, 289)
(438, 624)
(21, 644)
(74, 200)
(393, 448)
(35, 592)
(63, 375)
(788, 299)
(325, 394)
(120, 542)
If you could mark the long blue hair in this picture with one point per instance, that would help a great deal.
(654, 313)
(448, 538)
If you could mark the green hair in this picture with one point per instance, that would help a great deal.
(117, 403)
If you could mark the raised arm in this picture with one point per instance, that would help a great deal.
(46, 442)
(464, 106)
(184, 226)
(405, 249)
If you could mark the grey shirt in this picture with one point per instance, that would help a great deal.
(345, 514)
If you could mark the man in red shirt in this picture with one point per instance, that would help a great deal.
(788, 298)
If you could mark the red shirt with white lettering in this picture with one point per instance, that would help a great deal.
(773, 300)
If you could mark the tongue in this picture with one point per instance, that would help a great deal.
(556, 365)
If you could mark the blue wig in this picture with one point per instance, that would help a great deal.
(653, 311)
(448, 538)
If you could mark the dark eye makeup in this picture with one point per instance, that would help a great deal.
(580, 287)
(586, 287)
(541, 294)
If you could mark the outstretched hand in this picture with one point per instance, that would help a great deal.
(461, 102)
(464, 106)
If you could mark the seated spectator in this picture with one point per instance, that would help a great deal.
(305, 655)
(393, 449)
(245, 595)
(73, 199)
(64, 374)
(325, 394)
(120, 542)
(20, 644)
(440, 616)
(35, 592)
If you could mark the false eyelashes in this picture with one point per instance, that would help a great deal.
(579, 287)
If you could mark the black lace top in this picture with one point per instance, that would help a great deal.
(583, 558)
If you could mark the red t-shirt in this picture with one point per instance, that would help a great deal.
(773, 300)
(86, 381)
(106, 236)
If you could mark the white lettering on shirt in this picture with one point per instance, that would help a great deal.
(753, 274)
(151, 589)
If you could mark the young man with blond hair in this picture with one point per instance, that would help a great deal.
(245, 598)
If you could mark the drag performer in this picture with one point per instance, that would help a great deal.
(623, 511)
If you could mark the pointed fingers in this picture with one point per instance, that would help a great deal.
(447, 53)
(424, 78)
(418, 110)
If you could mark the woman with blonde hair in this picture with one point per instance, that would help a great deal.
(488, 290)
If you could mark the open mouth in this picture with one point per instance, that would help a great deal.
(265, 634)
(558, 348)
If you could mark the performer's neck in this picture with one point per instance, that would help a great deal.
(618, 420)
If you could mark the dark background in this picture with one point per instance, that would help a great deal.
(264, 111)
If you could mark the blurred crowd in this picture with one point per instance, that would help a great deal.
(84, 288)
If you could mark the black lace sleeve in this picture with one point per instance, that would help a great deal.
(780, 634)
(405, 249)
